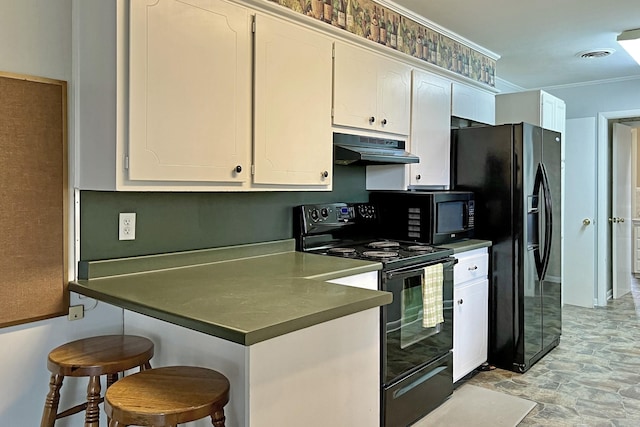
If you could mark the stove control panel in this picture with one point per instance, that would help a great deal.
(335, 215)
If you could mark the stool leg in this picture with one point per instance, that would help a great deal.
(92, 417)
(111, 378)
(146, 366)
(218, 418)
(51, 402)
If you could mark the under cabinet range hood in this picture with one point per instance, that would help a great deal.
(365, 150)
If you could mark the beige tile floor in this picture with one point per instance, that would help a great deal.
(592, 378)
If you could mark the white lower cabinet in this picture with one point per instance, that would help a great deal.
(471, 311)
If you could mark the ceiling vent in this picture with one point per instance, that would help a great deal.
(595, 53)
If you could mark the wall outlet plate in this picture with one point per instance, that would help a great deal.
(76, 312)
(127, 226)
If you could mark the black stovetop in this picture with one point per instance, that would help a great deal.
(351, 230)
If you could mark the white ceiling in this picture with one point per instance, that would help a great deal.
(538, 40)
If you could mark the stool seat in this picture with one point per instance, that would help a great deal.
(92, 357)
(167, 396)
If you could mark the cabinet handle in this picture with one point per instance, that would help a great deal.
(418, 176)
(372, 120)
(238, 169)
(475, 267)
(384, 122)
(460, 301)
(325, 174)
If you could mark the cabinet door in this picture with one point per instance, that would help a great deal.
(355, 87)
(189, 91)
(292, 112)
(553, 112)
(430, 129)
(470, 329)
(473, 104)
(370, 92)
(394, 97)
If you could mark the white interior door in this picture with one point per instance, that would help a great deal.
(579, 257)
(621, 232)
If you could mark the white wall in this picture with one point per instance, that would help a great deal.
(36, 40)
(603, 100)
(589, 100)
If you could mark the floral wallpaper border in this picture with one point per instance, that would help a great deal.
(370, 20)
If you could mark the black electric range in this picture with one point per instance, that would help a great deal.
(416, 357)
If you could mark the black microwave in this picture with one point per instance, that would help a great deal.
(432, 217)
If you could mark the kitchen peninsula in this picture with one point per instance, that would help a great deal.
(297, 345)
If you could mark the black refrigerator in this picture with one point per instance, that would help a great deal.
(514, 171)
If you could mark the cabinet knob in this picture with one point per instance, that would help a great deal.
(475, 267)
(325, 174)
(384, 122)
(586, 221)
(460, 301)
(372, 120)
(418, 176)
(238, 169)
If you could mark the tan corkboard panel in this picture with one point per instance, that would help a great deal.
(33, 199)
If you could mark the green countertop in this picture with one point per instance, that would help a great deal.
(467, 245)
(245, 294)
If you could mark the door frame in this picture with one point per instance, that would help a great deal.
(603, 197)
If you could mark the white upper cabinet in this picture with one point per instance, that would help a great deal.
(189, 109)
(370, 91)
(536, 107)
(430, 129)
(184, 96)
(292, 105)
(473, 104)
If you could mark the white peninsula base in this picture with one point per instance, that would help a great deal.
(324, 375)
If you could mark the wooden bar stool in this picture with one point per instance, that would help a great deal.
(92, 357)
(168, 396)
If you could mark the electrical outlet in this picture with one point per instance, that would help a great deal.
(127, 226)
(76, 312)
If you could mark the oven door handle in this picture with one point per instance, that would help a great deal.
(412, 271)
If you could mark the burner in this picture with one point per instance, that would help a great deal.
(342, 251)
(383, 245)
(380, 254)
(420, 248)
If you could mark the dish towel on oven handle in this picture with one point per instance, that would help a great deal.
(432, 296)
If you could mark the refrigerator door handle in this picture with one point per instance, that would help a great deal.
(539, 260)
(548, 220)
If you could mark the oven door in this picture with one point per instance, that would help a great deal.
(408, 344)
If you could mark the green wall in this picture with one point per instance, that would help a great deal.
(170, 222)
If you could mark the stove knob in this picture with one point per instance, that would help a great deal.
(314, 214)
(324, 212)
